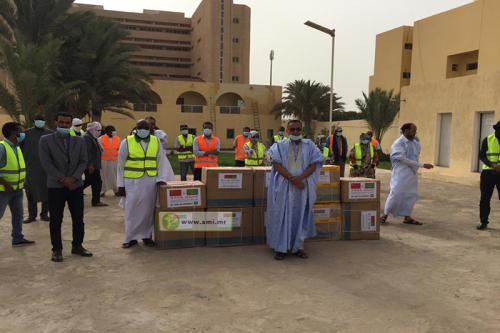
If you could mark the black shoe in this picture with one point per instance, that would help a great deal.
(22, 242)
(99, 204)
(482, 226)
(81, 251)
(279, 256)
(29, 220)
(148, 242)
(129, 244)
(45, 218)
(57, 256)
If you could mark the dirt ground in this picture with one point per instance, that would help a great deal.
(441, 277)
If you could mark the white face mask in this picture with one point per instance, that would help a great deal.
(338, 133)
(296, 137)
(184, 132)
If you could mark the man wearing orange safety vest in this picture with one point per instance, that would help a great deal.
(206, 149)
(110, 143)
(239, 147)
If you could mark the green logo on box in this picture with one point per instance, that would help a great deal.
(369, 185)
(193, 191)
(170, 222)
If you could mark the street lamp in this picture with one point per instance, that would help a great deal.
(332, 34)
(271, 57)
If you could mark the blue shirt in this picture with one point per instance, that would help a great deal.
(3, 155)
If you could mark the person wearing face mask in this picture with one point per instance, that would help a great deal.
(142, 166)
(110, 143)
(12, 178)
(255, 151)
(64, 159)
(239, 147)
(338, 149)
(363, 158)
(403, 195)
(291, 192)
(160, 134)
(280, 136)
(76, 128)
(184, 149)
(206, 149)
(36, 179)
(93, 170)
(489, 154)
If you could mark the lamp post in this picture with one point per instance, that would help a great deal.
(332, 34)
(271, 57)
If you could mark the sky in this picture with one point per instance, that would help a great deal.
(304, 53)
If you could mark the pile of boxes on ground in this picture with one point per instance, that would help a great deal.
(228, 208)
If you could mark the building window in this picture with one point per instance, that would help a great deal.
(192, 108)
(406, 75)
(236, 20)
(236, 78)
(142, 107)
(230, 133)
(408, 46)
(454, 67)
(236, 59)
(236, 40)
(472, 66)
(229, 109)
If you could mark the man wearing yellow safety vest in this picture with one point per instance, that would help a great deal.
(184, 149)
(280, 136)
(363, 158)
(76, 128)
(490, 175)
(12, 176)
(254, 151)
(142, 166)
(239, 147)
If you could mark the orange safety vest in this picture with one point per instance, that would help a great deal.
(374, 143)
(206, 161)
(110, 148)
(239, 151)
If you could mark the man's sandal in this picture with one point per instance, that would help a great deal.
(412, 222)
(383, 219)
(301, 254)
(279, 256)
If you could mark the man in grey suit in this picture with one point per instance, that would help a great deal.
(64, 159)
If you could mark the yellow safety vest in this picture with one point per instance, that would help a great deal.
(326, 152)
(183, 155)
(139, 161)
(277, 138)
(358, 154)
(493, 153)
(73, 133)
(14, 171)
(257, 157)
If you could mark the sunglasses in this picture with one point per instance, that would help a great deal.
(295, 129)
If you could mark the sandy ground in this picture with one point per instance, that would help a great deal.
(442, 277)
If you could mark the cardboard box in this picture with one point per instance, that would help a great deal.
(359, 190)
(328, 221)
(328, 192)
(228, 186)
(261, 178)
(178, 195)
(259, 225)
(361, 221)
(168, 234)
(329, 174)
(242, 227)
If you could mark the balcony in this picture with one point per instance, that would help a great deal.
(192, 108)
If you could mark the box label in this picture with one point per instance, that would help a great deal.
(183, 197)
(324, 177)
(231, 180)
(199, 221)
(322, 213)
(363, 190)
(369, 221)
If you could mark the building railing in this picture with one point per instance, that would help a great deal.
(192, 108)
(230, 109)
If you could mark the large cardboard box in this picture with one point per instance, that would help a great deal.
(178, 195)
(361, 221)
(171, 233)
(261, 179)
(228, 186)
(240, 231)
(328, 186)
(359, 190)
(328, 221)
(259, 225)
(329, 174)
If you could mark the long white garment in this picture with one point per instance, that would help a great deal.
(139, 203)
(108, 175)
(404, 177)
(163, 137)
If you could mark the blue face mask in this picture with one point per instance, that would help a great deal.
(365, 142)
(113, 133)
(281, 133)
(296, 137)
(246, 134)
(143, 133)
(21, 137)
(184, 132)
(323, 145)
(207, 131)
(39, 123)
(62, 131)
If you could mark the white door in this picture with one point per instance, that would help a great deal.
(486, 122)
(444, 139)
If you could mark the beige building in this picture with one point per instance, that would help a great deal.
(212, 46)
(451, 86)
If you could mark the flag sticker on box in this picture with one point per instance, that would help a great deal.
(363, 190)
(183, 197)
(369, 221)
(230, 180)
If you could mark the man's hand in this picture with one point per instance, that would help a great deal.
(8, 188)
(298, 182)
(121, 192)
(69, 183)
(428, 166)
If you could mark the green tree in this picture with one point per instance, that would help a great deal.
(379, 108)
(307, 101)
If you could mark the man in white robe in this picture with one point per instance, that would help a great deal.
(109, 161)
(405, 153)
(139, 194)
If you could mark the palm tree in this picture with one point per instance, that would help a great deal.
(379, 108)
(7, 15)
(307, 101)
